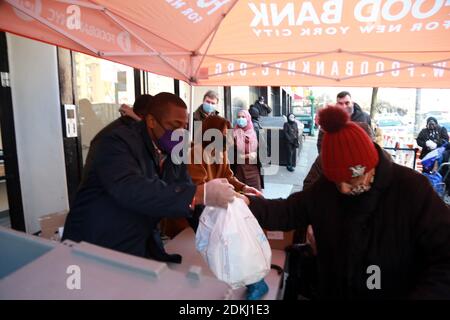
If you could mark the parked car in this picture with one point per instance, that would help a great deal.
(393, 127)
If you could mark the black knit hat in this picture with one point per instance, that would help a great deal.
(432, 119)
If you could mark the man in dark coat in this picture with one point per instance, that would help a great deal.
(130, 116)
(344, 100)
(133, 183)
(431, 137)
(381, 230)
(290, 131)
(262, 107)
(208, 107)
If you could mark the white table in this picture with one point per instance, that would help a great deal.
(184, 244)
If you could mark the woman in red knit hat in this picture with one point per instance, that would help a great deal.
(381, 231)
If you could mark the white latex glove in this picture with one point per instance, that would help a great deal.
(218, 193)
(431, 144)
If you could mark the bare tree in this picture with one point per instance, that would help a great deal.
(373, 102)
(418, 110)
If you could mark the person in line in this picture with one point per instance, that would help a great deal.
(381, 230)
(246, 166)
(344, 101)
(262, 107)
(431, 137)
(208, 107)
(291, 133)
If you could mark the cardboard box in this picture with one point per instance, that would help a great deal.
(52, 224)
(279, 239)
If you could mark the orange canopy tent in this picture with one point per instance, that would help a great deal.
(383, 43)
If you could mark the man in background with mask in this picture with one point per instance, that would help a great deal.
(381, 230)
(133, 183)
(344, 101)
(208, 107)
(431, 137)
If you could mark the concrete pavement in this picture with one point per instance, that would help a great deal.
(282, 184)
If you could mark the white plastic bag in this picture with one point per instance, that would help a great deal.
(233, 244)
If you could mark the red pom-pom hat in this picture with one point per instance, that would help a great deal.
(347, 150)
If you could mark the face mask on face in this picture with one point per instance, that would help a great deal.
(291, 118)
(356, 191)
(208, 107)
(241, 122)
(165, 142)
(365, 186)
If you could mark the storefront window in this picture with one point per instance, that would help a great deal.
(102, 86)
(185, 93)
(157, 84)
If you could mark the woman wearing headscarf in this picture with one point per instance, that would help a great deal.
(246, 142)
(290, 129)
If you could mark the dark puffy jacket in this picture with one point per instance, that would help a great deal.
(439, 136)
(125, 194)
(358, 116)
(400, 226)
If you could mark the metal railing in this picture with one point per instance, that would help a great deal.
(404, 156)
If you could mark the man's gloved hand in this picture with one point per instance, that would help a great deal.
(218, 193)
(431, 144)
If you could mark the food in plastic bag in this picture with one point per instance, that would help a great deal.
(433, 156)
(233, 244)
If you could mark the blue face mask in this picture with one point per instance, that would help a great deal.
(241, 122)
(208, 107)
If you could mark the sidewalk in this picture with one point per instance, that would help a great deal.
(284, 182)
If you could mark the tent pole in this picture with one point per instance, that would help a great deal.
(191, 112)
(143, 54)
